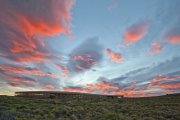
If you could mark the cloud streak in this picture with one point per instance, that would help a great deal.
(24, 24)
(161, 78)
(26, 70)
(97, 88)
(24, 27)
(77, 89)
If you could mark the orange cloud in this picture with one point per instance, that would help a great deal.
(156, 48)
(15, 80)
(102, 86)
(36, 22)
(115, 57)
(132, 93)
(23, 70)
(106, 88)
(169, 86)
(49, 86)
(161, 78)
(173, 39)
(135, 32)
(19, 47)
(83, 90)
(93, 88)
(156, 83)
(26, 24)
(33, 56)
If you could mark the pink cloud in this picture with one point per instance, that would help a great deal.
(113, 56)
(173, 39)
(34, 21)
(161, 78)
(169, 86)
(16, 81)
(102, 86)
(25, 24)
(135, 32)
(132, 93)
(84, 90)
(162, 82)
(24, 70)
(156, 48)
(166, 87)
(49, 86)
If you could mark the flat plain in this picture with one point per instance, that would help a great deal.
(150, 108)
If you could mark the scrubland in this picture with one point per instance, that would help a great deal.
(153, 108)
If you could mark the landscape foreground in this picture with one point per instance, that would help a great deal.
(153, 108)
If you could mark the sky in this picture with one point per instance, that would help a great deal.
(117, 47)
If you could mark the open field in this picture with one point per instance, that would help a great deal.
(154, 108)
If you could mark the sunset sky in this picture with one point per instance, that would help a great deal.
(121, 47)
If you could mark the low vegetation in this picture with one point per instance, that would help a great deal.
(153, 108)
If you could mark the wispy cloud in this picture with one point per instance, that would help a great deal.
(98, 88)
(24, 27)
(25, 24)
(17, 80)
(26, 70)
(156, 48)
(161, 78)
(77, 89)
(64, 69)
